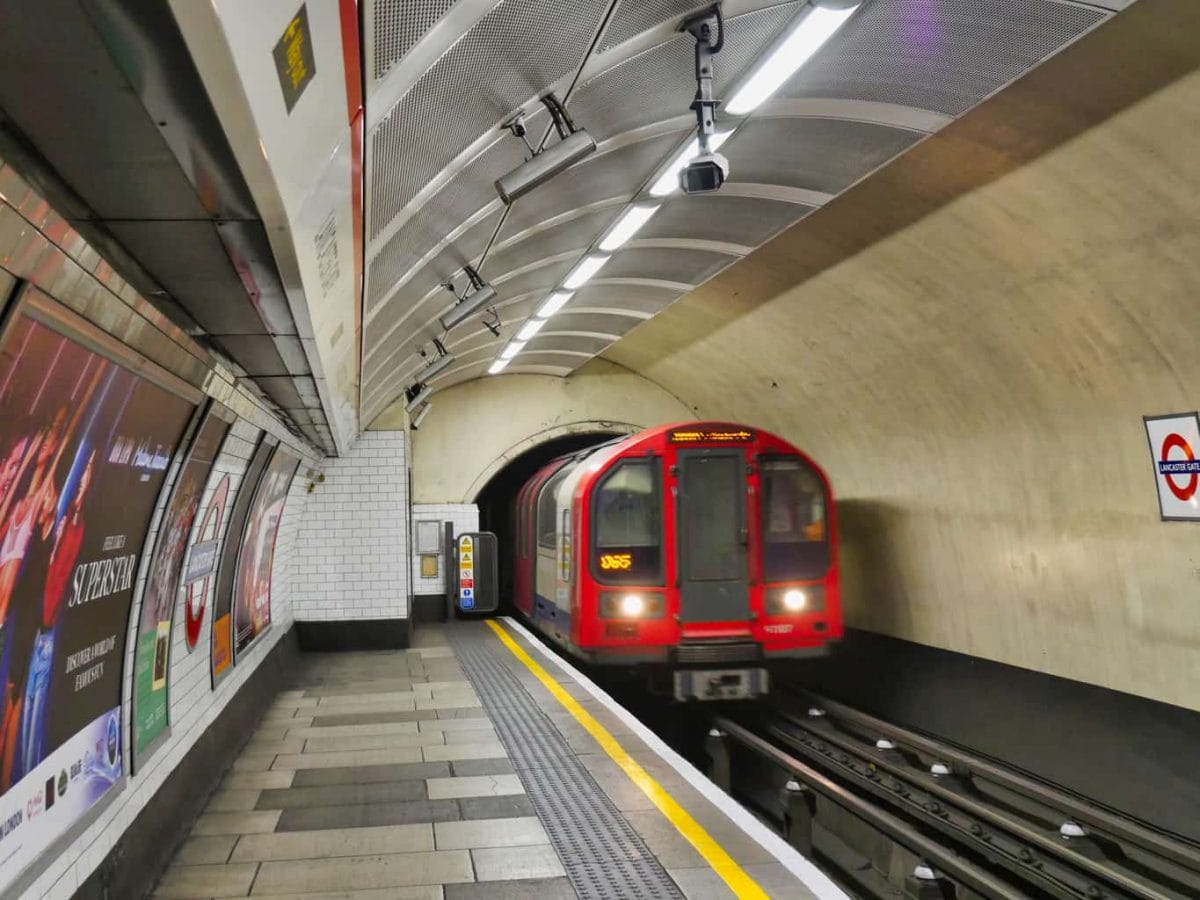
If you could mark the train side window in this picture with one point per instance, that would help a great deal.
(627, 524)
(546, 509)
(794, 526)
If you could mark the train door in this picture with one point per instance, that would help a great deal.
(712, 536)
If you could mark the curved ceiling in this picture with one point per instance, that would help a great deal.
(442, 78)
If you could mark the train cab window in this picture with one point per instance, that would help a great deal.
(547, 509)
(794, 527)
(627, 524)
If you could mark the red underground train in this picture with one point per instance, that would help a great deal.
(698, 553)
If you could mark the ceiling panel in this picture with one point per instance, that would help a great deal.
(557, 341)
(941, 55)
(825, 155)
(508, 57)
(661, 81)
(642, 298)
(631, 19)
(398, 25)
(573, 234)
(682, 266)
(722, 217)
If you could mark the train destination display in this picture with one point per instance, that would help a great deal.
(85, 444)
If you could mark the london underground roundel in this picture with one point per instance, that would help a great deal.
(1175, 453)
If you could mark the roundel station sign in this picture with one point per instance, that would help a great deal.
(1175, 453)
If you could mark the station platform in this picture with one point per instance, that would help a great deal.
(474, 764)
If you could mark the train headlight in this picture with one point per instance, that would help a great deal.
(632, 605)
(648, 605)
(794, 601)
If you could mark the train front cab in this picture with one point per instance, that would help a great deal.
(709, 548)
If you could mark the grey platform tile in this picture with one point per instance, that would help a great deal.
(419, 892)
(271, 732)
(364, 872)
(343, 795)
(449, 703)
(474, 786)
(368, 718)
(371, 728)
(257, 747)
(253, 762)
(180, 882)
(469, 737)
(465, 712)
(345, 758)
(509, 807)
(367, 815)
(777, 881)
(521, 889)
(344, 706)
(480, 833)
(480, 766)
(236, 823)
(333, 843)
(205, 850)
(451, 752)
(448, 725)
(372, 774)
(702, 884)
(275, 720)
(670, 847)
(380, 686)
(232, 801)
(372, 741)
(383, 699)
(508, 863)
(255, 780)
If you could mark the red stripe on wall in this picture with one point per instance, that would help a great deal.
(352, 64)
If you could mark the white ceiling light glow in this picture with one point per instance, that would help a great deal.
(627, 226)
(806, 38)
(668, 181)
(553, 304)
(497, 367)
(532, 327)
(512, 349)
(582, 273)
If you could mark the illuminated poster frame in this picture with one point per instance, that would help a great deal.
(84, 801)
(250, 524)
(221, 656)
(214, 415)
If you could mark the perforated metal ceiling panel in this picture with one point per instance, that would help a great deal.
(433, 157)
(942, 55)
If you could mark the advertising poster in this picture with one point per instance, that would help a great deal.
(252, 590)
(153, 648)
(222, 621)
(84, 448)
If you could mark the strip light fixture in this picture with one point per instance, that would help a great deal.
(808, 35)
(513, 348)
(627, 226)
(554, 303)
(668, 181)
(584, 270)
(420, 417)
(532, 327)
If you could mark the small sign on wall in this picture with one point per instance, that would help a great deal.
(1174, 444)
(293, 54)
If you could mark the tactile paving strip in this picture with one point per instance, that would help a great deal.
(602, 854)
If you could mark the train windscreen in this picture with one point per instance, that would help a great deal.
(794, 527)
(627, 524)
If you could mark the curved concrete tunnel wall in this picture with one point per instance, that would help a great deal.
(474, 429)
(974, 374)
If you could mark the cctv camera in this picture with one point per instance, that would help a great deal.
(704, 174)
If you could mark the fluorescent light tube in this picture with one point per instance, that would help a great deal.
(513, 348)
(497, 367)
(807, 37)
(668, 181)
(532, 327)
(627, 226)
(468, 306)
(582, 273)
(420, 397)
(554, 303)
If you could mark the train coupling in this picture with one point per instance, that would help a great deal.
(721, 684)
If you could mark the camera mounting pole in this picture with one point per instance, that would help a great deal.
(708, 30)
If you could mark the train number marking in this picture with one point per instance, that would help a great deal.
(611, 562)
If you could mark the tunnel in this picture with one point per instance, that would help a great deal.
(824, 372)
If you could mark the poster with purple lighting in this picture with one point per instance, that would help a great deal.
(87, 432)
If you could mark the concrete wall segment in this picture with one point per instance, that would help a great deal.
(968, 341)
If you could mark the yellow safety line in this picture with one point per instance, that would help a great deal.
(714, 854)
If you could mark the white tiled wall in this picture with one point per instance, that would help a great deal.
(352, 547)
(193, 703)
(465, 517)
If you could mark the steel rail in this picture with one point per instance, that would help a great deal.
(940, 857)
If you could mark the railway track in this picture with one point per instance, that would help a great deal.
(895, 813)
